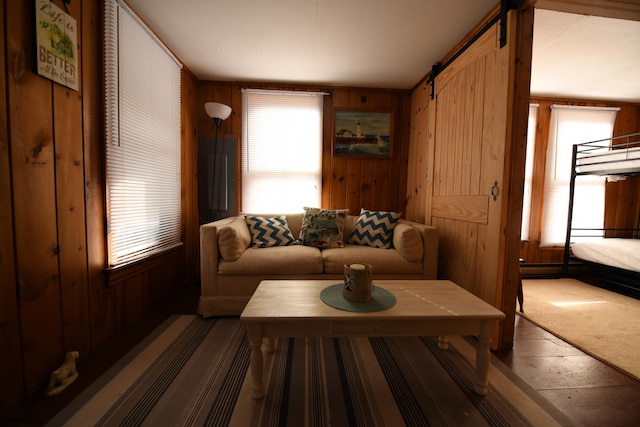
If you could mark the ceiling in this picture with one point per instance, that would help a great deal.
(384, 44)
(579, 56)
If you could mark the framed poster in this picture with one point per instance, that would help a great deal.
(362, 133)
(57, 44)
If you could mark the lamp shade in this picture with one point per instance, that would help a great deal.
(215, 110)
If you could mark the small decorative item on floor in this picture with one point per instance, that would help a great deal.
(357, 282)
(62, 377)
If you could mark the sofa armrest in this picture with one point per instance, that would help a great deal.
(429, 235)
(209, 256)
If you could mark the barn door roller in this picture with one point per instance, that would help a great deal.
(505, 7)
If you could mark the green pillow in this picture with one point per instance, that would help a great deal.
(323, 228)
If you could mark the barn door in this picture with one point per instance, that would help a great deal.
(471, 126)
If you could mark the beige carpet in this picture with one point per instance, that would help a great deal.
(602, 323)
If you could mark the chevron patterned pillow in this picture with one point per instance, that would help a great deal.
(267, 232)
(374, 228)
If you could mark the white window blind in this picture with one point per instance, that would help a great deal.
(573, 125)
(528, 171)
(142, 95)
(281, 151)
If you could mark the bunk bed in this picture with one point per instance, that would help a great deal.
(613, 257)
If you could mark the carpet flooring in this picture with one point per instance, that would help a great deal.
(585, 316)
(194, 372)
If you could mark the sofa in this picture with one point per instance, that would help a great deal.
(231, 265)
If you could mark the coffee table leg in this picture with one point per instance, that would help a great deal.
(443, 342)
(483, 360)
(269, 344)
(256, 362)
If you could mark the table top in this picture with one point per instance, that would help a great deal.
(288, 300)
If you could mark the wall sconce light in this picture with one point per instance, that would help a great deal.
(218, 112)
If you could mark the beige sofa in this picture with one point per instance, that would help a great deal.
(231, 270)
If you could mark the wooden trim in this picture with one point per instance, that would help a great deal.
(467, 208)
(520, 43)
(115, 275)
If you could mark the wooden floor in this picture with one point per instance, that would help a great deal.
(587, 391)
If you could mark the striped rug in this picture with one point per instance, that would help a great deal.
(195, 372)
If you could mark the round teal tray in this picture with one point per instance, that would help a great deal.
(381, 299)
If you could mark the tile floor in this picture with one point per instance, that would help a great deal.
(587, 391)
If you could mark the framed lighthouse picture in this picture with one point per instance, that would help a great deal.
(362, 133)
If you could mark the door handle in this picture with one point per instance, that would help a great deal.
(495, 191)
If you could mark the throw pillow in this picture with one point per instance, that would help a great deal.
(267, 232)
(323, 228)
(374, 228)
(408, 242)
(233, 239)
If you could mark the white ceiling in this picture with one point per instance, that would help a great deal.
(384, 44)
(578, 56)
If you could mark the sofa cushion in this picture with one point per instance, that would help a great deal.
(269, 231)
(408, 242)
(233, 239)
(323, 228)
(383, 261)
(283, 260)
(374, 228)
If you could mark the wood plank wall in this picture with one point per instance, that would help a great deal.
(353, 183)
(10, 356)
(420, 168)
(622, 199)
(54, 293)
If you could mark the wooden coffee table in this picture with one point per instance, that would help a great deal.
(293, 308)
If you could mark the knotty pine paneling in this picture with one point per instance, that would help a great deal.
(348, 182)
(69, 181)
(191, 223)
(54, 296)
(622, 199)
(11, 388)
(34, 196)
(420, 156)
(128, 302)
(101, 302)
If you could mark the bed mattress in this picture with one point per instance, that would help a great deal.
(615, 252)
(610, 162)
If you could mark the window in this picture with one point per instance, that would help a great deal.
(142, 95)
(528, 171)
(573, 125)
(281, 151)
